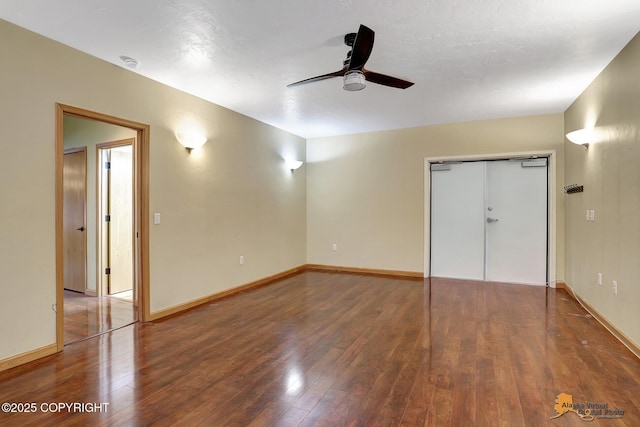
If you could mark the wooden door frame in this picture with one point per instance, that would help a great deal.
(141, 207)
(551, 202)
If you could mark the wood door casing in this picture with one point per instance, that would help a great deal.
(74, 219)
(141, 210)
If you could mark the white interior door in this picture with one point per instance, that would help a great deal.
(517, 240)
(457, 220)
(489, 221)
(121, 223)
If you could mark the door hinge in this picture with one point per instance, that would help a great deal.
(107, 218)
(107, 270)
(107, 165)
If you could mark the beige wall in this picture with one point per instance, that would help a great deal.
(89, 133)
(366, 192)
(235, 197)
(610, 173)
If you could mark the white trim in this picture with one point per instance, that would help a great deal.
(551, 197)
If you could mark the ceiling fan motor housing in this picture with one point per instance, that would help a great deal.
(353, 81)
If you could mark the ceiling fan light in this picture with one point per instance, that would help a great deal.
(353, 81)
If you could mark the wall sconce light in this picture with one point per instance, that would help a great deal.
(190, 141)
(582, 137)
(294, 164)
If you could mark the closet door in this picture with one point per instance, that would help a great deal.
(457, 220)
(489, 221)
(517, 239)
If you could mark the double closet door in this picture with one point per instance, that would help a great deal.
(489, 221)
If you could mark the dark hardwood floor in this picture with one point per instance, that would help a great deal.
(324, 349)
(86, 316)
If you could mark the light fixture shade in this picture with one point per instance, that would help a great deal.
(190, 141)
(294, 164)
(353, 81)
(582, 136)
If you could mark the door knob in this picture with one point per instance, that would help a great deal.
(80, 229)
(490, 220)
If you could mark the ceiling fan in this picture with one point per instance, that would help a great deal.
(353, 72)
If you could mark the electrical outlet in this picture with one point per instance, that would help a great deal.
(615, 287)
(600, 279)
(334, 247)
(241, 259)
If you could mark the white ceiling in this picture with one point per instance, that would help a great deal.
(470, 60)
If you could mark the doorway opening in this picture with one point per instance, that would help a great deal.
(492, 253)
(94, 304)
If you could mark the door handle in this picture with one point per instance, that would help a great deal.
(490, 220)
(80, 229)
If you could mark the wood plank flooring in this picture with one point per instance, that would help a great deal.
(86, 316)
(326, 349)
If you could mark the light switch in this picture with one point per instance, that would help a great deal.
(586, 215)
(156, 218)
(592, 215)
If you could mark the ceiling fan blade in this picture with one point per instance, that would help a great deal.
(362, 47)
(385, 80)
(339, 73)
